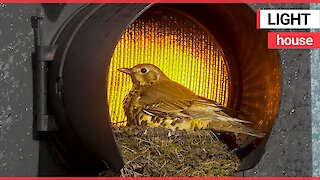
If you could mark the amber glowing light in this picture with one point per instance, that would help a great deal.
(179, 46)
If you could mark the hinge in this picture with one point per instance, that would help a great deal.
(47, 53)
(43, 55)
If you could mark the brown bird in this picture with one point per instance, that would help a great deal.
(155, 100)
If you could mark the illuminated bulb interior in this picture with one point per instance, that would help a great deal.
(179, 46)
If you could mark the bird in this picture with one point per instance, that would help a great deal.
(157, 101)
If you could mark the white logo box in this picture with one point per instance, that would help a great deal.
(288, 19)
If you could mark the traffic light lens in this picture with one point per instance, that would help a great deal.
(181, 47)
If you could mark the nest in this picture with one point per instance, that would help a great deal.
(161, 152)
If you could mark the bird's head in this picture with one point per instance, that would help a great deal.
(144, 74)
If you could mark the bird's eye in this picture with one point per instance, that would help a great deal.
(143, 70)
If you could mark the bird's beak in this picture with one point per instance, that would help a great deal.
(125, 70)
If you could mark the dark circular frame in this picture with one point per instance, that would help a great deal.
(77, 76)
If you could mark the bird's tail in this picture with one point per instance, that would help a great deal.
(226, 126)
(235, 127)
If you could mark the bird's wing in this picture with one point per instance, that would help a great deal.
(220, 109)
(190, 109)
(168, 98)
(206, 110)
(173, 109)
(165, 91)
